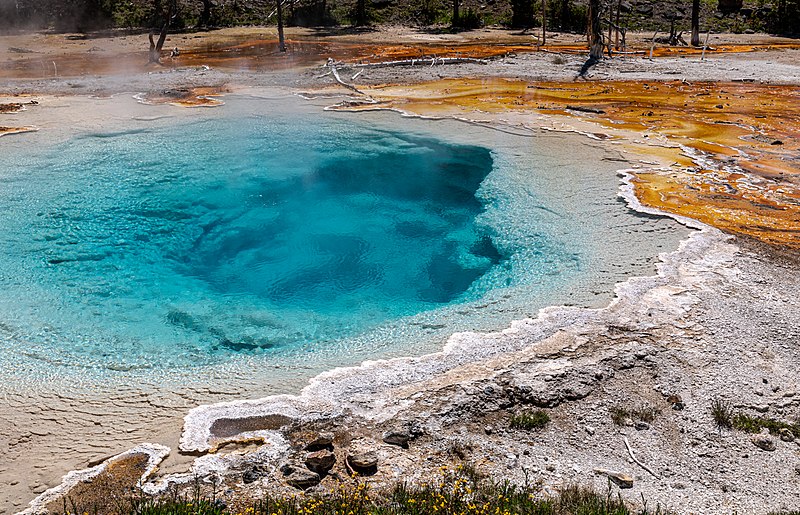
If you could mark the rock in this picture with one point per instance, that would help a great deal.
(764, 442)
(363, 462)
(488, 430)
(302, 478)
(320, 461)
(319, 441)
(252, 474)
(786, 435)
(641, 426)
(620, 479)
(676, 402)
(590, 430)
(397, 437)
(797, 469)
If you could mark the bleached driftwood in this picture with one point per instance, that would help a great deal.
(432, 61)
(336, 76)
(635, 460)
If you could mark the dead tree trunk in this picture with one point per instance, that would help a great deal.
(595, 36)
(281, 41)
(456, 15)
(695, 22)
(361, 13)
(205, 15)
(610, 26)
(155, 48)
(544, 22)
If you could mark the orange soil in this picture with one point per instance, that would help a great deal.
(253, 52)
(738, 145)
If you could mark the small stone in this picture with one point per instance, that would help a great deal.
(320, 441)
(320, 461)
(777, 142)
(397, 437)
(641, 426)
(797, 469)
(620, 479)
(786, 435)
(590, 430)
(488, 430)
(252, 474)
(365, 463)
(764, 442)
(762, 408)
(302, 478)
(550, 468)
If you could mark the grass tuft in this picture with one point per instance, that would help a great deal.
(528, 421)
(620, 415)
(722, 413)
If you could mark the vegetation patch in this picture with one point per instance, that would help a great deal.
(722, 412)
(726, 418)
(458, 491)
(528, 421)
(622, 415)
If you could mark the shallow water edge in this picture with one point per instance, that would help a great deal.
(231, 386)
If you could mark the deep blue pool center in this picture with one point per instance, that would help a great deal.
(183, 243)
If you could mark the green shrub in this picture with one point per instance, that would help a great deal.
(528, 421)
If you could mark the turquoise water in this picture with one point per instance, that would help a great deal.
(272, 232)
(185, 243)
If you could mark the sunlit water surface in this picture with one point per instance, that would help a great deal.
(269, 232)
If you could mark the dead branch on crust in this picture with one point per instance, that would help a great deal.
(630, 453)
(432, 61)
(332, 65)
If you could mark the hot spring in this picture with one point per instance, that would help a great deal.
(270, 233)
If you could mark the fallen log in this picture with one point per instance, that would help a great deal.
(432, 61)
(585, 109)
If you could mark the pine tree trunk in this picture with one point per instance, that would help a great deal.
(361, 13)
(205, 16)
(455, 13)
(595, 37)
(281, 41)
(544, 22)
(695, 22)
(155, 48)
